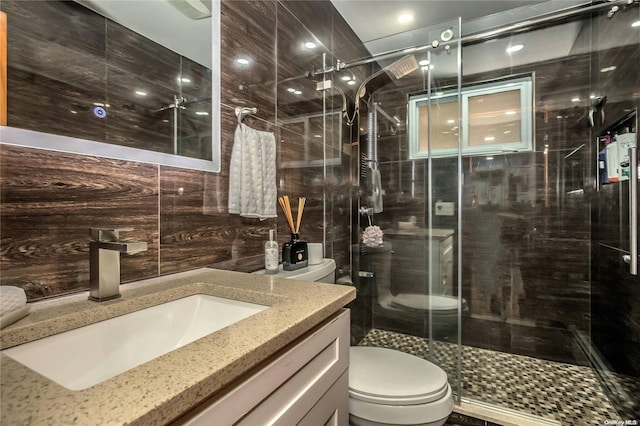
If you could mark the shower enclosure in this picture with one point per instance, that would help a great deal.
(458, 174)
(476, 155)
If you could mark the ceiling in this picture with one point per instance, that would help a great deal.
(377, 23)
(372, 20)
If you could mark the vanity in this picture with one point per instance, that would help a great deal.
(284, 364)
(413, 248)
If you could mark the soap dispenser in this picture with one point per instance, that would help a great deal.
(271, 253)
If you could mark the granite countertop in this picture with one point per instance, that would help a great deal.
(162, 389)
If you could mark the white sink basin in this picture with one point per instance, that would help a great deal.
(86, 356)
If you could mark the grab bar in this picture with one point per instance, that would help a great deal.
(633, 211)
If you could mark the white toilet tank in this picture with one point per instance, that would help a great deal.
(324, 272)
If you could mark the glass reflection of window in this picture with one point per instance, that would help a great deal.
(311, 140)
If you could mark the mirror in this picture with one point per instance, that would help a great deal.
(133, 80)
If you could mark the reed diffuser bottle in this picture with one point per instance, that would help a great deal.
(295, 254)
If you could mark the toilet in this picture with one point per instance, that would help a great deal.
(387, 387)
(441, 310)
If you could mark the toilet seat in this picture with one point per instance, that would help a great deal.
(423, 302)
(390, 377)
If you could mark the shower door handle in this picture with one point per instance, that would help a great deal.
(633, 211)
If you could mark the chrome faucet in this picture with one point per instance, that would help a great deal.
(104, 267)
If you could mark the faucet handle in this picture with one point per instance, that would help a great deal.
(110, 234)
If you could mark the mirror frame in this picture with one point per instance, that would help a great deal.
(48, 141)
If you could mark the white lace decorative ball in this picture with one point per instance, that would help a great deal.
(372, 236)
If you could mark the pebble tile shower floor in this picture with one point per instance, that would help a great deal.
(566, 393)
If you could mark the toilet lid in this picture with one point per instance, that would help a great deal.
(426, 301)
(390, 377)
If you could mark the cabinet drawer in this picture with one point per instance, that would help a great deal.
(333, 408)
(285, 390)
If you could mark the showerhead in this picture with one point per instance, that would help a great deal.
(395, 71)
(402, 67)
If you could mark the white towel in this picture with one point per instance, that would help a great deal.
(13, 305)
(252, 174)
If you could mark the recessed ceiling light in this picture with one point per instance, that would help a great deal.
(515, 48)
(242, 61)
(310, 45)
(636, 24)
(510, 113)
(345, 78)
(184, 80)
(73, 112)
(405, 17)
(424, 62)
(291, 90)
(297, 92)
(451, 121)
(317, 136)
(489, 158)
(559, 117)
(608, 69)
(202, 113)
(351, 82)
(576, 99)
(141, 93)
(489, 138)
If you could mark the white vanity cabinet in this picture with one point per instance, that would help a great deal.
(306, 383)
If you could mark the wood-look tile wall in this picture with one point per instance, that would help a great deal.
(49, 200)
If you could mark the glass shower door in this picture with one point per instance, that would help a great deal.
(413, 198)
(615, 285)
